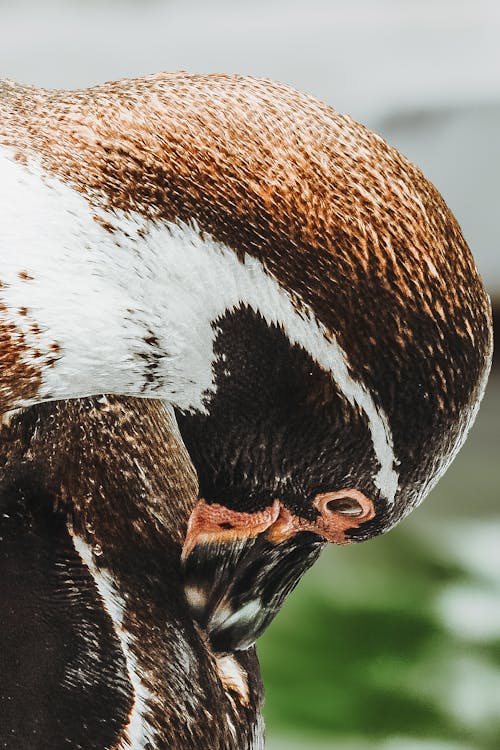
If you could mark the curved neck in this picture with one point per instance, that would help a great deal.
(98, 301)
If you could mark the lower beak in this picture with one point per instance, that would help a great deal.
(240, 567)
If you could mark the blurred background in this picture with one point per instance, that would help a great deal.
(393, 644)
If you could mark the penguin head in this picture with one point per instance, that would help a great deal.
(338, 405)
(290, 455)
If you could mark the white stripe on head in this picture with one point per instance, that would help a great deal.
(228, 283)
(178, 284)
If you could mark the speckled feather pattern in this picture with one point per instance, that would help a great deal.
(348, 227)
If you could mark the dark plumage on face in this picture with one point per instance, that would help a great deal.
(276, 426)
(285, 463)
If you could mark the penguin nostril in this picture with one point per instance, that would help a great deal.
(346, 506)
(341, 510)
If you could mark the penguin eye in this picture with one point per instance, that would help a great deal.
(346, 506)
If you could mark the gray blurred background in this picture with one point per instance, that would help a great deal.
(394, 644)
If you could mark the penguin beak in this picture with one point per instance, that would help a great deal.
(240, 567)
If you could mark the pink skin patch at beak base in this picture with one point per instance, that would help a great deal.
(211, 523)
(216, 523)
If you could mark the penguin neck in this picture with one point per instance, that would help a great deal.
(98, 300)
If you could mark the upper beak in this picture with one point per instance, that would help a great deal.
(239, 568)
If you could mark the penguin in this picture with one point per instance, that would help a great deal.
(292, 286)
(99, 649)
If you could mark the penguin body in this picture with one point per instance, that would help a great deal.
(99, 648)
(291, 285)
